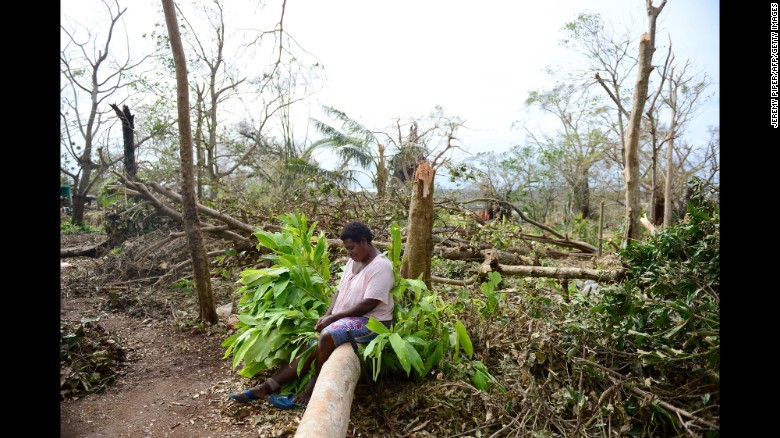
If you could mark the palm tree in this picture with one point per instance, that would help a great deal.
(352, 143)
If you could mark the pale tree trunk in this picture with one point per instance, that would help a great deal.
(631, 170)
(670, 148)
(200, 262)
(419, 239)
(128, 138)
(327, 413)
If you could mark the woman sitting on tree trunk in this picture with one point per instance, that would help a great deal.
(364, 291)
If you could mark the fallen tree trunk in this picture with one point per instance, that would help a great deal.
(86, 251)
(327, 413)
(602, 276)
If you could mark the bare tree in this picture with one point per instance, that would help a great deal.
(91, 75)
(685, 97)
(631, 170)
(192, 227)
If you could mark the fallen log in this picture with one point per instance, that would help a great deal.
(86, 251)
(602, 276)
(467, 282)
(327, 413)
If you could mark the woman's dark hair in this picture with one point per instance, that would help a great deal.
(356, 230)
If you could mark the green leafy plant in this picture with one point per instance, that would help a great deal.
(280, 305)
(67, 227)
(424, 332)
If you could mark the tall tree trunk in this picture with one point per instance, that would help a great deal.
(128, 138)
(77, 201)
(670, 148)
(419, 239)
(631, 171)
(200, 262)
(582, 195)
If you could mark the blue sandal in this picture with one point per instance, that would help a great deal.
(284, 401)
(244, 397)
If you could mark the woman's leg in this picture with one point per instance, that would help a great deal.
(285, 374)
(325, 346)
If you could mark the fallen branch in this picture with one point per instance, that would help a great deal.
(230, 221)
(467, 282)
(618, 378)
(86, 251)
(601, 276)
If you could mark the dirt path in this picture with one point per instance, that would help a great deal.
(175, 385)
(174, 382)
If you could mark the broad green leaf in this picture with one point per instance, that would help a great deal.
(251, 337)
(479, 380)
(251, 370)
(463, 338)
(248, 276)
(247, 319)
(375, 326)
(399, 346)
(416, 360)
(280, 286)
(434, 359)
(266, 239)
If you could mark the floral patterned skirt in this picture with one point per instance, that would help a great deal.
(355, 324)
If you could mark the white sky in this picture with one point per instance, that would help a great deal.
(477, 59)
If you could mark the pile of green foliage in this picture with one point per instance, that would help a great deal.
(279, 306)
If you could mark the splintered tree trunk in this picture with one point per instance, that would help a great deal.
(419, 238)
(631, 171)
(200, 262)
(670, 148)
(128, 137)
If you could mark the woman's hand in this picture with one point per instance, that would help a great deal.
(324, 322)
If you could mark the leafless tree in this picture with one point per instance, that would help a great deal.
(91, 76)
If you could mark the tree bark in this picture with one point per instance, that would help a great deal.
(604, 276)
(631, 170)
(670, 148)
(200, 262)
(86, 251)
(582, 195)
(328, 410)
(419, 236)
(128, 138)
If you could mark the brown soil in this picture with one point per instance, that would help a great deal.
(173, 381)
